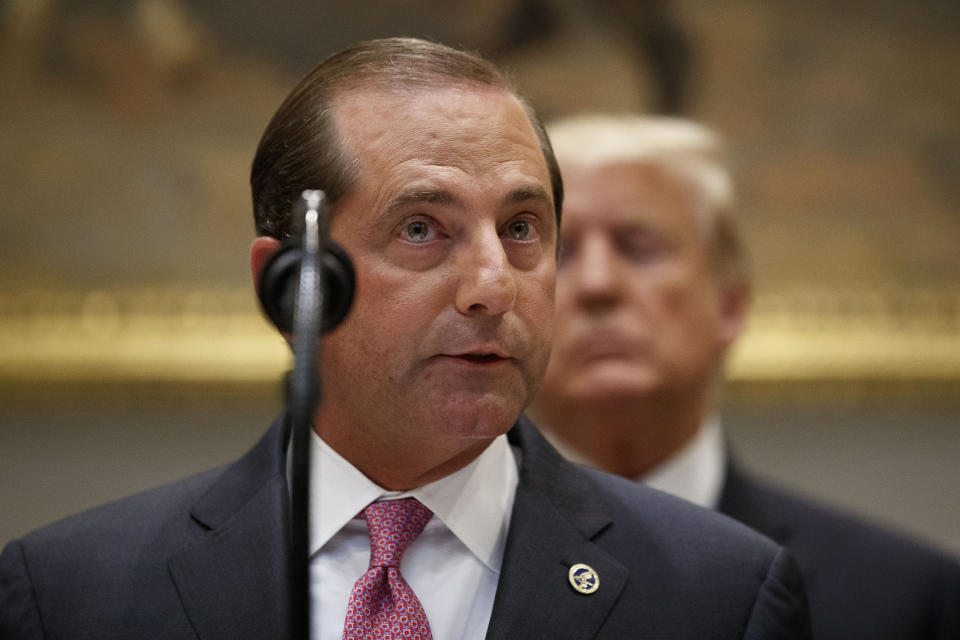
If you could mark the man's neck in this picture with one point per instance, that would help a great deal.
(627, 437)
(406, 465)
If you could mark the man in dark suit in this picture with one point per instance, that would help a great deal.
(652, 289)
(428, 519)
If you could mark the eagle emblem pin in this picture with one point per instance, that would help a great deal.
(583, 579)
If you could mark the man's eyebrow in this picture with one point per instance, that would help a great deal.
(527, 193)
(444, 197)
(429, 196)
(413, 196)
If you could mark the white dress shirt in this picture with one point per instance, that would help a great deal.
(453, 566)
(695, 472)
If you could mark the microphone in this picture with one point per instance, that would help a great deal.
(280, 277)
(306, 289)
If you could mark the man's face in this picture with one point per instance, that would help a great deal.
(452, 232)
(638, 310)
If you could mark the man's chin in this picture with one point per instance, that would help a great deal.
(481, 417)
(610, 386)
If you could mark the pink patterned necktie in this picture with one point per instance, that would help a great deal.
(382, 605)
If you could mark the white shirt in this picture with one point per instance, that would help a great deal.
(453, 566)
(695, 472)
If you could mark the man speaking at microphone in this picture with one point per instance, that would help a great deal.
(437, 511)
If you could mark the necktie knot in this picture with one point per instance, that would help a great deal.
(393, 525)
(382, 605)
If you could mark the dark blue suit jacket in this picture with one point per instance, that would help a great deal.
(862, 582)
(204, 558)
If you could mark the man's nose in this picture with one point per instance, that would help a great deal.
(487, 282)
(594, 278)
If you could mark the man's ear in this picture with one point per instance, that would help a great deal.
(261, 250)
(735, 300)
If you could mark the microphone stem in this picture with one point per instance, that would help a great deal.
(303, 397)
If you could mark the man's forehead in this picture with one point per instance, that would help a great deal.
(640, 180)
(625, 190)
(430, 118)
(464, 125)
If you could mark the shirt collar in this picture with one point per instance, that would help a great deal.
(474, 503)
(696, 471)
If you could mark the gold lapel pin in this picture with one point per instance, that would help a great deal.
(583, 579)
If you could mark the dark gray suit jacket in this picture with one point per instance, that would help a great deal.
(862, 582)
(204, 558)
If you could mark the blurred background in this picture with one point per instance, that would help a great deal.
(132, 351)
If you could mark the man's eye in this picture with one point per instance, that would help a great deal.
(518, 230)
(641, 247)
(418, 231)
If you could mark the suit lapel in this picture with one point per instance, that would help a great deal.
(554, 525)
(232, 583)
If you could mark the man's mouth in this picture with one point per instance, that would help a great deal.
(481, 358)
(478, 357)
(603, 344)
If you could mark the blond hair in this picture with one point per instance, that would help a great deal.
(686, 150)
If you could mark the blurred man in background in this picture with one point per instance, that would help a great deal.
(653, 289)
